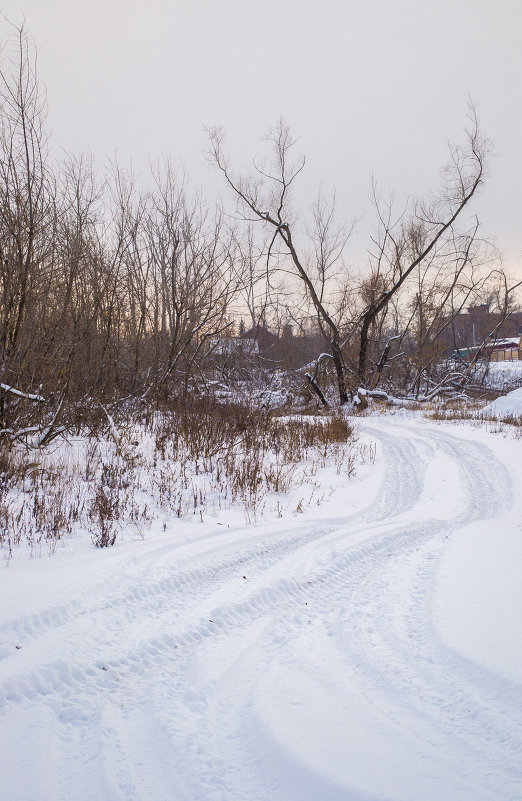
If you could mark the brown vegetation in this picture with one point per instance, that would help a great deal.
(189, 460)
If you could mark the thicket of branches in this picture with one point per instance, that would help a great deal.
(110, 291)
(106, 290)
(395, 324)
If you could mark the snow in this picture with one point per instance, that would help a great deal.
(509, 405)
(481, 605)
(366, 648)
(504, 374)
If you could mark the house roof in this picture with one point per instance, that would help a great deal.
(259, 334)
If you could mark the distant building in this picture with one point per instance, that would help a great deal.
(505, 350)
(468, 330)
(497, 350)
(263, 341)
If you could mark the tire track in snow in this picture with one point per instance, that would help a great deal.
(190, 621)
(137, 590)
(401, 670)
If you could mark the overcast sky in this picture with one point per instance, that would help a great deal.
(375, 87)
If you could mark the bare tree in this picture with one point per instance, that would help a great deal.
(26, 217)
(265, 197)
(422, 259)
(427, 236)
(194, 275)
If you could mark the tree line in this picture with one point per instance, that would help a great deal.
(111, 291)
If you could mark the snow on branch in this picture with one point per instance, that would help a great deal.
(315, 363)
(20, 394)
(112, 428)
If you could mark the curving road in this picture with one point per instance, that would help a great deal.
(305, 660)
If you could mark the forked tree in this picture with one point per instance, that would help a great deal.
(426, 240)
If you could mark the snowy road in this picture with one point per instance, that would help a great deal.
(355, 652)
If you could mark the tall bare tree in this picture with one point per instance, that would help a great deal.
(266, 197)
(425, 244)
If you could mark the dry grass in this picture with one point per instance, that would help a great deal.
(472, 412)
(190, 460)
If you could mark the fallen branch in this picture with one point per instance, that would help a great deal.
(20, 394)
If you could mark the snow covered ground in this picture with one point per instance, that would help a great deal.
(506, 406)
(366, 648)
(504, 375)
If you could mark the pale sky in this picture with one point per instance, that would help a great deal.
(370, 88)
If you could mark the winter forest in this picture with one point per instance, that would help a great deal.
(118, 294)
(260, 510)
